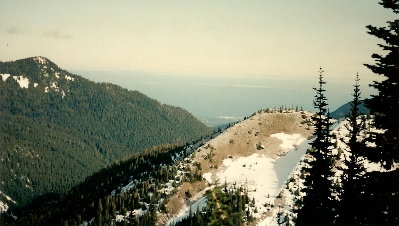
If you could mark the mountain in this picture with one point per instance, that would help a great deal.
(158, 186)
(57, 128)
(344, 110)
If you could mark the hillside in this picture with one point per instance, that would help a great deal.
(344, 110)
(57, 128)
(160, 184)
(256, 155)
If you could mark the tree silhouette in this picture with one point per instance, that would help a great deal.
(385, 105)
(317, 205)
(349, 210)
(382, 194)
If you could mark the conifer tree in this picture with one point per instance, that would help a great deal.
(382, 194)
(349, 210)
(385, 105)
(317, 205)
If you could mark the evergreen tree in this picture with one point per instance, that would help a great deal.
(317, 204)
(349, 210)
(382, 194)
(99, 216)
(385, 105)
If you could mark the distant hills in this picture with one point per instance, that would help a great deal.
(57, 128)
(344, 110)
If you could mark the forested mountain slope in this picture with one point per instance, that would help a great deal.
(344, 110)
(56, 128)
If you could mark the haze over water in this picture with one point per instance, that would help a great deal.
(218, 100)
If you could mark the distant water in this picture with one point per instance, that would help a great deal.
(217, 101)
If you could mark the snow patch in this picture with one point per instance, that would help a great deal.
(57, 75)
(35, 84)
(200, 204)
(40, 60)
(289, 140)
(7, 197)
(376, 166)
(207, 177)
(3, 207)
(69, 78)
(22, 81)
(54, 85)
(257, 173)
(5, 76)
(137, 212)
(128, 187)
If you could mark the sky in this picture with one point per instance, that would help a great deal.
(201, 40)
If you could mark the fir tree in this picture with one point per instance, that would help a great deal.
(317, 204)
(349, 210)
(385, 105)
(382, 194)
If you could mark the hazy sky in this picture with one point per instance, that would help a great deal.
(201, 38)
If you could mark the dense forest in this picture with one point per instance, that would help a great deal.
(132, 183)
(58, 128)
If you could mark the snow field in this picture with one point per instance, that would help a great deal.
(256, 172)
(289, 141)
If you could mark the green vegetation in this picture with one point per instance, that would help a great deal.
(225, 207)
(102, 195)
(50, 141)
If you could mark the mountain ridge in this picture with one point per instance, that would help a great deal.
(344, 110)
(52, 118)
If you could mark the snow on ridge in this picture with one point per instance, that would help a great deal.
(22, 81)
(7, 197)
(69, 78)
(5, 76)
(40, 60)
(289, 141)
